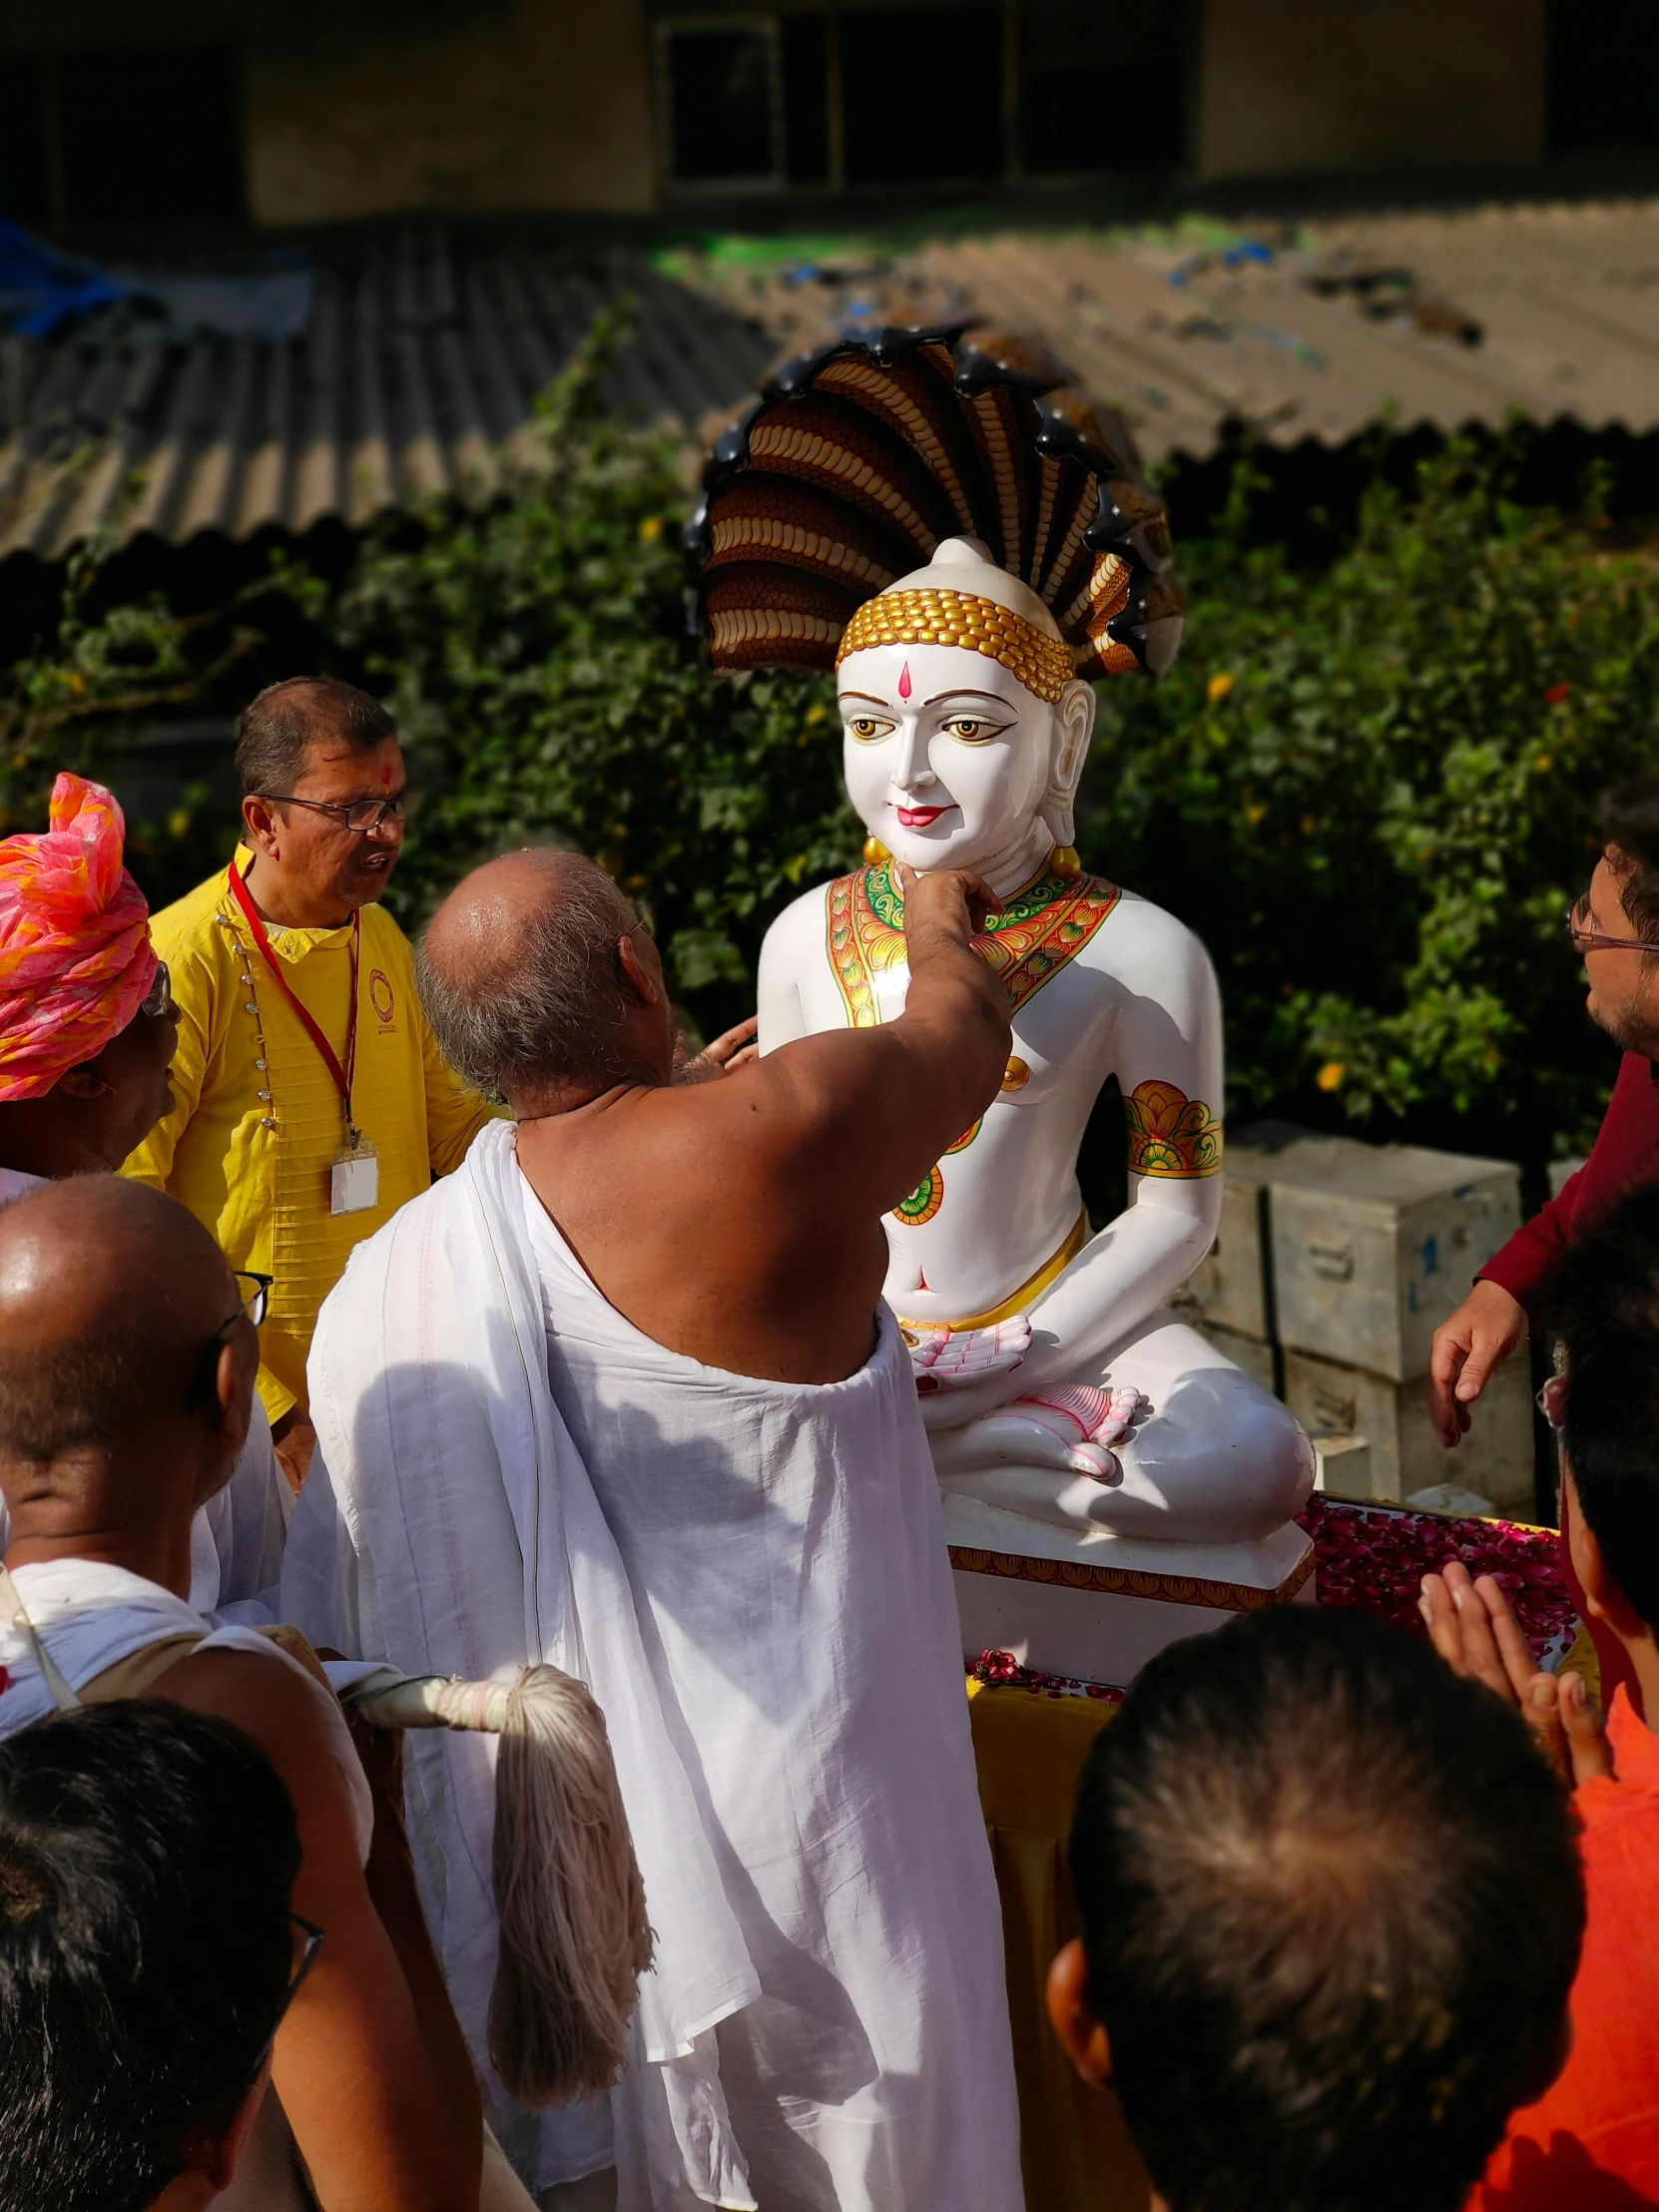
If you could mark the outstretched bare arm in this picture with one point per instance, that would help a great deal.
(883, 1103)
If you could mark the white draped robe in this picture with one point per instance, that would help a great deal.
(752, 1580)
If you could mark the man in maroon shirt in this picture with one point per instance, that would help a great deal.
(1615, 929)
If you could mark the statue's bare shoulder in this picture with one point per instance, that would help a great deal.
(1148, 950)
(801, 924)
(785, 954)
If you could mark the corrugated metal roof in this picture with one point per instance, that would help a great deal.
(416, 370)
(1312, 334)
(425, 349)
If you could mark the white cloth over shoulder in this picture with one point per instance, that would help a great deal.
(752, 1580)
(91, 1616)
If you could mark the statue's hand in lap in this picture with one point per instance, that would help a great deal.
(954, 1359)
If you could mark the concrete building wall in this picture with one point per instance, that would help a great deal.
(535, 104)
(1286, 86)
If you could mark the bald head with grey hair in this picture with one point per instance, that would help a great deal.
(524, 981)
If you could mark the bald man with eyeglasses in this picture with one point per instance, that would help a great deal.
(309, 1099)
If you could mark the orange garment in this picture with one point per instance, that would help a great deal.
(1592, 2142)
(76, 963)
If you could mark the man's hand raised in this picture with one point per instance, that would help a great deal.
(732, 1050)
(1474, 1631)
(947, 900)
(1466, 1351)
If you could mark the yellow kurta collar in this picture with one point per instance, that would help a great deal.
(290, 944)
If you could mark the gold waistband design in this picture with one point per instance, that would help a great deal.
(1076, 1238)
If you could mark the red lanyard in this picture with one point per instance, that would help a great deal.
(341, 1076)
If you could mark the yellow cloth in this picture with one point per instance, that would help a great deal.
(1075, 2153)
(257, 1117)
(1583, 1660)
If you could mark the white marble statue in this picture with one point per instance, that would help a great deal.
(1117, 1416)
(939, 518)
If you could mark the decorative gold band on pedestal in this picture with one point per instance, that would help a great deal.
(1167, 1589)
(927, 617)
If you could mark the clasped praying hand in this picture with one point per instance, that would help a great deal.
(1474, 1628)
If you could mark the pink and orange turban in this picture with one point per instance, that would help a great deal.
(76, 961)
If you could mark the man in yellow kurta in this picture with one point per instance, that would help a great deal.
(260, 1114)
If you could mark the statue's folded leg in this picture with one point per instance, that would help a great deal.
(1211, 1457)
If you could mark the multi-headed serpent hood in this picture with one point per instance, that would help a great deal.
(858, 460)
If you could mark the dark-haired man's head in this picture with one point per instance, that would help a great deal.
(147, 1857)
(1622, 902)
(127, 1369)
(1604, 1300)
(540, 982)
(323, 782)
(1332, 1911)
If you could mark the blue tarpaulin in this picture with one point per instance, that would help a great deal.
(41, 288)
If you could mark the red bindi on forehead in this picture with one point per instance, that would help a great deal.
(385, 778)
(905, 681)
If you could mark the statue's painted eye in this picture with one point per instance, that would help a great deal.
(970, 728)
(868, 728)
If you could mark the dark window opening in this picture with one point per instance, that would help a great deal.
(803, 60)
(1603, 75)
(921, 93)
(148, 136)
(1098, 90)
(25, 177)
(720, 109)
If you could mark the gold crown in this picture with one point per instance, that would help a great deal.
(927, 617)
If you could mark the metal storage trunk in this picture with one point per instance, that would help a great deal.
(1374, 1245)
(1494, 1460)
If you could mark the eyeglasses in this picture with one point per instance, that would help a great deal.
(253, 1298)
(159, 998)
(360, 816)
(256, 1296)
(313, 1939)
(1591, 940)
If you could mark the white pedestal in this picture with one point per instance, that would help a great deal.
(1088, 1603)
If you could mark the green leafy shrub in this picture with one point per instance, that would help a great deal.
(1373, 792)
(102, 668)
(532, 653)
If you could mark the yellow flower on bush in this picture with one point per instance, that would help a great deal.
(651, 529)
(1217, 689)
(1331, 1075)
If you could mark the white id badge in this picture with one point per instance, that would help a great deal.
(355, 1179)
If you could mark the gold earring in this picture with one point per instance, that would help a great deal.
(875, 852)
(1063, 863)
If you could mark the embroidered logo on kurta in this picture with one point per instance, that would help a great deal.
(1034, 936)
(381, 996)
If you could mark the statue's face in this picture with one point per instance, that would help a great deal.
(946, 754)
